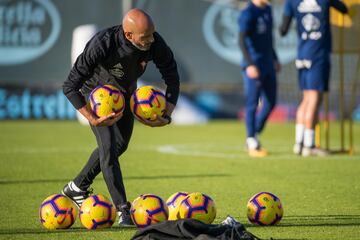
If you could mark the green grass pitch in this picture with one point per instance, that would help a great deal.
(321, 196)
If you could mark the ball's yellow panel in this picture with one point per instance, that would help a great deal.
(173, 204)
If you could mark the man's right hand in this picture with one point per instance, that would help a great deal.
(108, 120)
(252, 72)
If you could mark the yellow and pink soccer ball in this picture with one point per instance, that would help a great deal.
(97, 212)
(173, 204)
(57, 212)
(264, 209)
(106, 99)
(148, 209)
(198, 206)
(147, 102)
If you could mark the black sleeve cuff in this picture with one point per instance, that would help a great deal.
(172, 95)
(77, 100)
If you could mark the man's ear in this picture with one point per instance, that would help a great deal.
(128, 35)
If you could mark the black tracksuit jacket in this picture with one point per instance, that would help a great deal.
(109, 58)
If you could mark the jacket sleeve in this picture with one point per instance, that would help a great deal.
(246, 55)
(246, 25)
(165, 62)
(81, 71)
(339, 5)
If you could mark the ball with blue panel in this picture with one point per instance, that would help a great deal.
(106, 99)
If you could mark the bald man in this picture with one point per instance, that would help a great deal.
(117, 56)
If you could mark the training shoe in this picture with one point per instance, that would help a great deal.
(254, 148)
(229, 220)
(297, 149)
(75, 196)
(308, 151)
(257, 152)
(124, 215)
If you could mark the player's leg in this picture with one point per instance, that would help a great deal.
(300, 125)
(311, 117)
(300, 114)
(252, 92)
(123, 133)
(268, 98)
(78, 189)
(317, 83)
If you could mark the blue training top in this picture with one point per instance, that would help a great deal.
(313, 26)
(257, 23)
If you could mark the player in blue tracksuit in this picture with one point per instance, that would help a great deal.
(313, 63)
(259, 67)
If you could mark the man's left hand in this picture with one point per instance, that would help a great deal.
(158, 122)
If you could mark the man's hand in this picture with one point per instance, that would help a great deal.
(108, 120)
(158, 122)
(252, 72)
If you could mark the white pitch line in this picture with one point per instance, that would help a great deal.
(172, 149)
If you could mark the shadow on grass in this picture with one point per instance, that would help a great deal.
(24, 231)
(36, 181)
(318, 221)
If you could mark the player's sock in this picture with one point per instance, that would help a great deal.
(252, 143)
(74, 187)
(299, 138)
(75, 194)
(299, 133)
(309, 138)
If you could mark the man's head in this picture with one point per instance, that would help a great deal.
(139, 29)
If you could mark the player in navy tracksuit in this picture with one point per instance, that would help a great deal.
(259, 66)
(117, 56)
(313, 63)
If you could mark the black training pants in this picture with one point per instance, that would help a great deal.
(112, 142)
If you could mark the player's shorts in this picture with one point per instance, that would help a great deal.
(314, 75)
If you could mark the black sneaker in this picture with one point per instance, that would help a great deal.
(124, 215)
(76, 197)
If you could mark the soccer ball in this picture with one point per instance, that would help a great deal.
(173, 204)
(198, 206)
(57, 212)
(264, 208)
(106, 99)
(146, 102)
(148, 209)
(97, 212)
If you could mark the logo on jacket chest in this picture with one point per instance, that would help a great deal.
(117, 70)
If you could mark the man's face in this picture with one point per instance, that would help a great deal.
(142, 40)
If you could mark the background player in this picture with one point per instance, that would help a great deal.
(117, 56)
(313, 63)
(258, 69)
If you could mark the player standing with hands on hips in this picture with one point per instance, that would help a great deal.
(259, 66)
(117, 56)
(313, 63)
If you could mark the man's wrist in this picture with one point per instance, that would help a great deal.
(167, 117)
